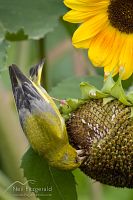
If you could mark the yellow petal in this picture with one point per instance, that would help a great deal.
(113, 57)
(83, 5)
(83, 44)
(111, 63)
(76, 4)
(76, 16)
(90, 28)
(101, 46)
(126, 58)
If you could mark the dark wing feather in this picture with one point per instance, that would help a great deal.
(24, 92)
(17, 89)
(27, 98)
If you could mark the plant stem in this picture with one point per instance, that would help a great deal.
(42, 55)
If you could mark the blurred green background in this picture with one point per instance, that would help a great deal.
(64, 68)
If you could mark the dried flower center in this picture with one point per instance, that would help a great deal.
(120, 15)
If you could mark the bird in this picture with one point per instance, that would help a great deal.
(41, 120)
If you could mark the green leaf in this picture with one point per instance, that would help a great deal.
(20, 35)
(108, 84)
(107, 100)
(70, 88)
(117, 91)
(84, 188)
(35, 18)
(61, 184)
(69, 106)
(89, 91)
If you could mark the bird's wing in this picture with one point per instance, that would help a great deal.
(30, 100)
(35, 75)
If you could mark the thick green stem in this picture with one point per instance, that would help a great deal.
(42, 55)
(23, 53)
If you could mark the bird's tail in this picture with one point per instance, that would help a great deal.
(26, 95)
(36, 72)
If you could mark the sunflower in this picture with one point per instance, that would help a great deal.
(106, 30)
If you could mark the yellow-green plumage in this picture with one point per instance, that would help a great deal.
(41, 121)
(44, 140)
